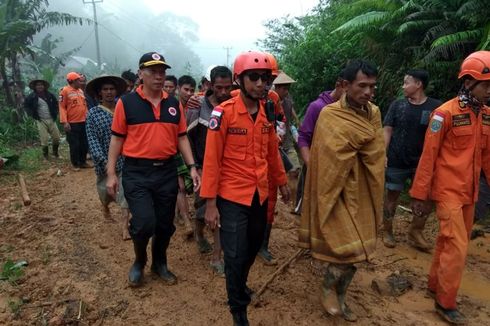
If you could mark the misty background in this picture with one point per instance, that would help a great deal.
(129, 28)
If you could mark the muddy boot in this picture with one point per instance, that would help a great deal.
(330, 280)
(46, 152)
(159, 265)
(264, 252)
(55, 150)
(388, 237)
(416, 235)
(136, 271)
(341, 289)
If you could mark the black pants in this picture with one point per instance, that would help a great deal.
(242, 232)
(151, 193)
(77, 139)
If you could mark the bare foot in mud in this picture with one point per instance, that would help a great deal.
(107, 213)
(125, 233)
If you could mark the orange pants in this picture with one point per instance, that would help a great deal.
(455, 223)
(271, 205)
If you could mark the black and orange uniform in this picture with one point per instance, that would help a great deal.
(240, 160)
(73, 110)
(150, 174)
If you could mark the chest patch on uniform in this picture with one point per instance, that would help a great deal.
(266, 127)
(486, 119)
(237, 131)
(172, 111)
(460, 120)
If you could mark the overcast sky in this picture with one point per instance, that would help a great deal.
(217, 24)
(229, 23)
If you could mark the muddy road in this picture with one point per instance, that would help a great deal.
(78, 264)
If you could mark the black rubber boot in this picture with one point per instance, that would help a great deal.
(240, 318)
(264, 252)
(136, 271)
(341, 289)
(55, 150)
(159, 247)
(46, 152)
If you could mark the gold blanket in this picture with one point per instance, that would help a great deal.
(343, 195)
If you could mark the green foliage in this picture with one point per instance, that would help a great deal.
(11, 271)
(14, 134)
(396, 35)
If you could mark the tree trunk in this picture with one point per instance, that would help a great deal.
(5, 83)
(18, 86)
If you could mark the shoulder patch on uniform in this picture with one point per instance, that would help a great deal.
(237, 131)
(440, 115)
(215, 119)
(213, 123)
(460, 120)
(435, 125)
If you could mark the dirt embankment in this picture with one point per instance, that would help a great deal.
(78, 264)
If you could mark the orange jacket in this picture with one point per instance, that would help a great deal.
(72, 105)
(450, 165)
(239, 155)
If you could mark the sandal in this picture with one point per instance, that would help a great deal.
(204, 246)
(218, 268)
(453, 316)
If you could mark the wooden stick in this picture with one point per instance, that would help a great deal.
(23, 191)
(392, 262)
(403, 208)
(278, 271)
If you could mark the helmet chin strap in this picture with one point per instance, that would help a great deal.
(244, 91)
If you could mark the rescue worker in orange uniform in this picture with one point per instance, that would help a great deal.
(272, 99)
(456, 148)
(148, 129)
(241, 151)
(73, 114)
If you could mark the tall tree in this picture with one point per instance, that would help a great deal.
(20, 20)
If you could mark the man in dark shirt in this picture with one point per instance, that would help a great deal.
(42, 106)
(404, 131)
(218, 92)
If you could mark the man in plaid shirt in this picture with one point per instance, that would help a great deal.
(99, 121)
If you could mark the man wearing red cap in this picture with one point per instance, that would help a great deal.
(149, 128)
(73, 113)
(456, 149)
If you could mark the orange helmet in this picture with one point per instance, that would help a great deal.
(274, 65)
(250, 60)
(477, 65)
